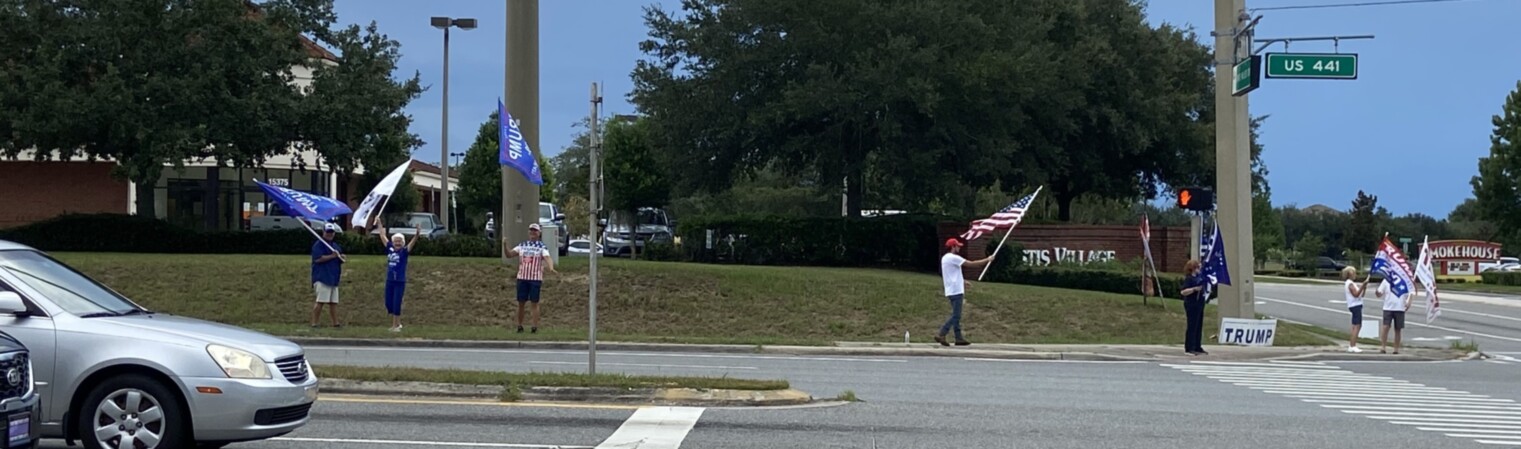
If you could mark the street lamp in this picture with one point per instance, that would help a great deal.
(445, 23)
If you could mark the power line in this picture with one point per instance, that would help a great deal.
(1353, 5)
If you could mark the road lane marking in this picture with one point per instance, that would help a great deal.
(1459, 429)
(606, 354)
(978, 359)
(642, 365)
(1375, 397)
(1267, 365)
(654, 428)
(1497, 442)
(1448, 329)
(425, 443)
(466, 402)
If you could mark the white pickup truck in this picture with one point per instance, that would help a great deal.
(1504, 264)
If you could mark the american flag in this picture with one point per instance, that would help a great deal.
(1003, 219)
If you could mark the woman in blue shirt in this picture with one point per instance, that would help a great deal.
(1193, 307)
(398, 250)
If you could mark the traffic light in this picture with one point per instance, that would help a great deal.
(1196, 199)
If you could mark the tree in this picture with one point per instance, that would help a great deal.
(635, 179)
(1498, 184)
(1467, 222)
(1308, 248)
(149, 82)
(573, 165)
(355, 110)
(1363, 235)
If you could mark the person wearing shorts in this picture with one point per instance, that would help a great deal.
(327, 271)
(1395, 307)
(533, 259)
(1354, 293)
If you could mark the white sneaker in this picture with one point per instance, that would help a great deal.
(1354, 349)
(396, 329)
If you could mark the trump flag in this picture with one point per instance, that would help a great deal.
(304, 205)
(514, 150)
(1392, 265)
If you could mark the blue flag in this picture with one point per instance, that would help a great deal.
(1213, 267)
(514, 150)
(1391, 263)
(305, 205)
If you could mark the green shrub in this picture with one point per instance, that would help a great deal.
(1502, 277)
(898, 241)
(113, 233)
(1009, 263)
(661, 252)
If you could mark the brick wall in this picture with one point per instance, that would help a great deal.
(1076, 244)
(34, 191)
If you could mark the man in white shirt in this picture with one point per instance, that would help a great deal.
(1394, 315)
(955, 288)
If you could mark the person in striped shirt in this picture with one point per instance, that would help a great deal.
(533, 259)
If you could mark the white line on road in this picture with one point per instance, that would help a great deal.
(1473, 426)
(1323, 395)
(1279, 365)
(1474, 414)
(643, 365)
(1380, 405)
(1411, 402)
(1446, 420)
(1497, 442)
(607, 353)
(654, 428)
(1459, 429)
(1470, 435)
(977, 359)
(1448, 329)
(425, 443)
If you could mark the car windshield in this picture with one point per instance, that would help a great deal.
(546, 212)
(75, 293)
(650, 217)
(415, 221)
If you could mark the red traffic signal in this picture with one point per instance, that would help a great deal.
(1196, 199)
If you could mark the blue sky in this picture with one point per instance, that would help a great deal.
(1410, 129)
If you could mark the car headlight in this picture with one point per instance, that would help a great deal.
(237, 363)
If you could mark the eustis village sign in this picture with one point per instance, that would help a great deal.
(1066, 256)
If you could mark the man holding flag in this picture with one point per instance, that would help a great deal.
(1394, 290)
(327, 256)
(952, 261)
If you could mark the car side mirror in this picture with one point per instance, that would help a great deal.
(11, 304)
(559, 217)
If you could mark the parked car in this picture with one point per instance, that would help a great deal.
(114, 374)
(582, 247)
(1326, 263)
(408, 224)
(654, 225)
(550, 217)
(18, 395)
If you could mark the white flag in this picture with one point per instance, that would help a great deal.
(1427, 279)
(383, 189)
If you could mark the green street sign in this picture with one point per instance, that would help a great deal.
(1326, 66)
(1248, 76)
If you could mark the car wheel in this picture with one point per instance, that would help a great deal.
(132, 411)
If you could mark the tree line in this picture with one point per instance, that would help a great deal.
(147, 83)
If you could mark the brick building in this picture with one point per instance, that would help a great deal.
(1046, 245)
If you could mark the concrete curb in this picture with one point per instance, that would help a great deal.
(859, 351)
(642, 396)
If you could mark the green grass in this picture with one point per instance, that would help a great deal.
(516, 382)
(462, 298)
(1465, 346)
(1480, 288)
(847, 396)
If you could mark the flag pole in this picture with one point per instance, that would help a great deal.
(1001, 242)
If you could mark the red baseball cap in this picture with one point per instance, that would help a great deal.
(953, 243)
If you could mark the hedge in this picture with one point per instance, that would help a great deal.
(1122, 282)
(113, 233)
(907, 242)
(1501, 277)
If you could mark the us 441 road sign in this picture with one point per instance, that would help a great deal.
(1327, 66)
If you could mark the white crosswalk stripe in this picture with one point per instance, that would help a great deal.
(1453, 413)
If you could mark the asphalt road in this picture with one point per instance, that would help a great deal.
(1494, 324)
(953, 402)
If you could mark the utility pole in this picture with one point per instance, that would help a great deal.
(520, 198)
(595, 154)
(1233, 159)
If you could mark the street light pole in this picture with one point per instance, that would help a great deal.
(445, 23)
(596, 207)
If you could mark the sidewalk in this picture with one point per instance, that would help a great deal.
(986, 351)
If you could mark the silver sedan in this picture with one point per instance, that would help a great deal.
(113, 374)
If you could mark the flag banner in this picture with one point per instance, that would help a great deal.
(304, 205)
(1392, 265)
(382, 190)
(514, 150)
(1214, 267)
(1427, 277)
(1149, 269)
(1006, 218)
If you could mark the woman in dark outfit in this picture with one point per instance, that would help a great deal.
(1193, 307)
